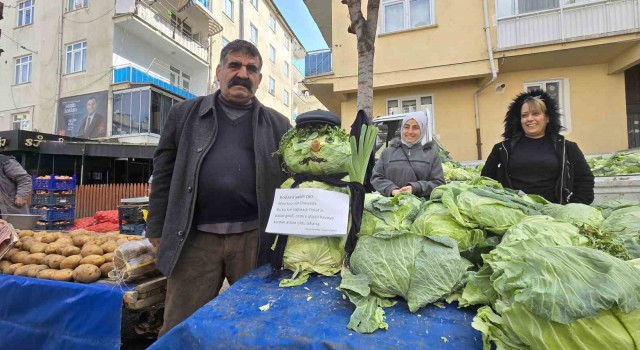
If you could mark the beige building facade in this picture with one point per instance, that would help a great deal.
(112, 69)
(435, 55)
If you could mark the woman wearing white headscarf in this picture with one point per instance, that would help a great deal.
(409, 164)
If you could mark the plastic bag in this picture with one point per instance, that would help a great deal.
(132, 260)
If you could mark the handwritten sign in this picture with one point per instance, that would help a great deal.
(309, 212)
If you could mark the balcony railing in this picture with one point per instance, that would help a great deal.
(131, 74)
(569, 22)
(157, 21)
(318, 63)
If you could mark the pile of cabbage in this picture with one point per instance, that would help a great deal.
(625, 163)
(545, 276)
(454, 171)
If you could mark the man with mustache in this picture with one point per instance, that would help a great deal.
(214, 180)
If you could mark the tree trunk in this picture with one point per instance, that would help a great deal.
(365, 31)
(365, 80)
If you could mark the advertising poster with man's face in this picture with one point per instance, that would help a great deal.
(83, 116)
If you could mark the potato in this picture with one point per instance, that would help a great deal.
(33, 271)
(27, 242)
(63, 275)
(80, 241)
(10, 253)
(69, 250)
(25, 233)
(19, 257)
(11, 269)
(46, 274)
(38, 248)
(105, 269)
(53, 260)
(93, 260)
(18, 245)
(70, 262)
(121, 241)
(35, 258)
(23, 270)
(4, 264)
(91, 249)
(99, 240)
(80, 232)
(64, 240)
(52, 248)
(108, 257)
(108, 247)
(49, 237)
(86, 273)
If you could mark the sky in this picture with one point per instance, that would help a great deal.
(303, 25)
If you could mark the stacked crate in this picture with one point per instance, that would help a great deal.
(131, 219)
(54, 200)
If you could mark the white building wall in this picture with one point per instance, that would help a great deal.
(39, 96)
(129, 49)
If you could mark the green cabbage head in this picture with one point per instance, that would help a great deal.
(317, 150)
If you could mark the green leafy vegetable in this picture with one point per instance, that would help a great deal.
(332, 154)
(436, 220)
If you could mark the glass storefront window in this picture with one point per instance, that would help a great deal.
(140, 111)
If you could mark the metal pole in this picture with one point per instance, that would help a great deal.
(82, 167)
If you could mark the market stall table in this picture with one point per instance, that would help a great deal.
(44, 314)
(312, 316)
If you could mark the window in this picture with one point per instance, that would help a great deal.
(21, 121)
(272, 23)
(225, 41)
(285, 97)
(227, 8)
(254, 34)
(25, 12)
(406, 14)
(254, 3)
(131, 111)
(77, 57)
(181, 25)
(409, 104)
(272, 86)
(160, 105)
(179, 78)
(287, 41)
(272, 53)
(506, 8)
(286, 69)
(556, 89)
(23, 70)
(77, 4)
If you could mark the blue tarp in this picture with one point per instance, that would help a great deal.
(43, 314)
(312, 316)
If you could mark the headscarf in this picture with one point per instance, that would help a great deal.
(421, 119)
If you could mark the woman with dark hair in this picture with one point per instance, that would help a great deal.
(535, 158)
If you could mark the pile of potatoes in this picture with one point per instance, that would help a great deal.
(80, 256)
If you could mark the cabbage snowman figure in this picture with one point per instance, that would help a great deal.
(318, 154)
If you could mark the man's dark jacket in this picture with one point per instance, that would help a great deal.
(188, 134)
(575, 185)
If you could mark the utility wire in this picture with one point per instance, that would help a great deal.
(19, 44)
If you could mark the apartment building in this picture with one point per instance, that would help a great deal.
(436, 55)
(260, 22)
(112, 69)
(103, 69)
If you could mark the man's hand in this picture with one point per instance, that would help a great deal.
(395, 192)
(20, 201)
(155, 242)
